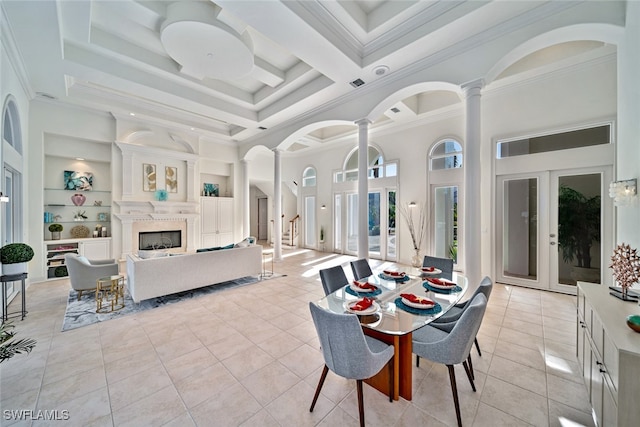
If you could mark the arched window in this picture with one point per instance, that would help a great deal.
(11, 126)
(309, 177)
(445, 178)
(446, 154)
(381, 200)
(377, 168)
(12, 212)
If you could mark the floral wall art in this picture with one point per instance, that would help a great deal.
(171, 179)
(148, 177)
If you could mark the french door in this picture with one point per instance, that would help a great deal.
(553, 228)
(381, 223)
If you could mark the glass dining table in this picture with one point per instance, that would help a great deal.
(392, 321)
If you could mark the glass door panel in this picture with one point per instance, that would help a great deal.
(391, 225)
(374, 223)
(310, 221)
(445, 240)
(520, 228)
(352, 223)
(337, 222)
(577, 223)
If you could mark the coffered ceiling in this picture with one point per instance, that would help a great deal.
(233, 69)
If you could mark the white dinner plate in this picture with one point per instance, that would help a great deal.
(374, 307)
(449, 285)
(435, 271)
(417, 305)
(355, 288)
(396, 274)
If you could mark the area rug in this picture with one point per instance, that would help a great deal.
(83, 312)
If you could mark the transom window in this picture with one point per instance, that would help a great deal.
(577, 138)
(377, 167)
(11, 127)
(446, 154)
(309, 177)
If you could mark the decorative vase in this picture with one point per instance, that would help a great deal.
(78, 199)
(55, 235)
(416, 259)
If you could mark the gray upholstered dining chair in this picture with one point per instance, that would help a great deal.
(444, 264)
(333, 279)
(83, 272)
(454, 313)
(452, 348)
(348, 352)
(361, 269)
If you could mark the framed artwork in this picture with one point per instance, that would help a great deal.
(210, 190)
(171, 179)
(148, 177)
(102, 216)
(78, 181)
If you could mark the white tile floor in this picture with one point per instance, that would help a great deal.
(221, 360)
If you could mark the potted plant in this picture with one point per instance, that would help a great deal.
(578, 230)
(321, 234)
(14, 258)
(55, 230)
(9, 347)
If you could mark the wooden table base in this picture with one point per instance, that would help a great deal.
(403, 365)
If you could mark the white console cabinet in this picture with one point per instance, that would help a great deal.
(608, 353)
(92, 248)
(217, 221)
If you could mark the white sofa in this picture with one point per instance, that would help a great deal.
(154, 277)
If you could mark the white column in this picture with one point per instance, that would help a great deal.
(472, 221)
(277, 206)
(191, 176)
(363, 188)
(628, 126)
(246, 200)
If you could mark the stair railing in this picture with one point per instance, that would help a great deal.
(293, 228)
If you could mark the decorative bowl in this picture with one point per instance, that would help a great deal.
(633, 321)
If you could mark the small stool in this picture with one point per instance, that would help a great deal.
(265, 256)
(6, 279)
(109, 294)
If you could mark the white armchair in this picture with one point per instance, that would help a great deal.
(84, 273)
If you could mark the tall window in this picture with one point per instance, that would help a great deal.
(12, 167)
(11, 180)
(381, 198)
(445, 177)
(310, 217)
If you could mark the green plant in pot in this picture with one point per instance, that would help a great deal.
(55, 230)
(9, 346)
(578, 230)
(321, 234)
(14, 258)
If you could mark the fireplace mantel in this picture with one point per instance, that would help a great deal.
(156, 207)
(134, 214)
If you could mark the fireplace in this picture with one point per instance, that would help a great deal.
(150, 240)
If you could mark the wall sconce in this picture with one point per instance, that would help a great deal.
(323, 207)
(3, 198)
(623, 193)
(412, 204)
